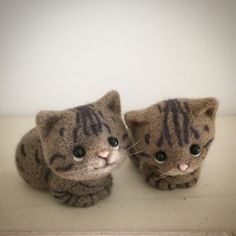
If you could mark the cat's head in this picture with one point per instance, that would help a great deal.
(174, 135)
(86, 142)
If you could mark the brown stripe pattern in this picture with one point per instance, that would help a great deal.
(208, 143)
(125, 136)
(159, 108)
(147, 138)
(61, 131)
(56, 157)
(160, 140)
(195, 133)
(206, 128)
(36, 156)
(22, 150)
(173, 112)
(65, 168)
(90, 121)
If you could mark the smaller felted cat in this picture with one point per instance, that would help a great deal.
(73, 152)
(172, 139)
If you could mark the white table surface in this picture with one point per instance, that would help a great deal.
(133, 207)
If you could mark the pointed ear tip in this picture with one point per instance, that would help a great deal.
(42, 116)
(127, 116)
(131, 114)
(213, 101)
(130, 118)
(39, 115)
(113, 93)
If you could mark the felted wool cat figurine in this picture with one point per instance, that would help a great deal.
(172, 139)
(73, 152)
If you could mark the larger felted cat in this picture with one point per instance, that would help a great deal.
(73, 152)
(172, 138)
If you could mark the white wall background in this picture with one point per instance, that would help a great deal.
(58, 54)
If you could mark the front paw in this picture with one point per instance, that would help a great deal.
(73, 200)
(160, 183)
(165, 185)
(91, 199)
(188, 184)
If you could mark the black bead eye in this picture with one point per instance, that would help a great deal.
(160, 157)
(113, 141)
(195, 150)
(78, 153)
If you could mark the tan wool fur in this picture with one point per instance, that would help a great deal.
(72, 152)
(172, 139)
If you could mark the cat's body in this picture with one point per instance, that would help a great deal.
(72, 152)
(173, 137)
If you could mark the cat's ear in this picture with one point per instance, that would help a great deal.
(135, 119)
(205, 106)
(111, 101)
(45, 120)
(139, 118)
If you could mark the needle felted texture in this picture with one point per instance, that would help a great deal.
(172, 139)
(73, 152)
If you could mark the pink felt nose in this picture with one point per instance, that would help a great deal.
(103, 154)
(183, 167)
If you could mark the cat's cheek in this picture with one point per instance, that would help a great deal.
(203, 155)
(114, 157)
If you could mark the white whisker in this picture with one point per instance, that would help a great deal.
(132, 146)
(132, 154)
